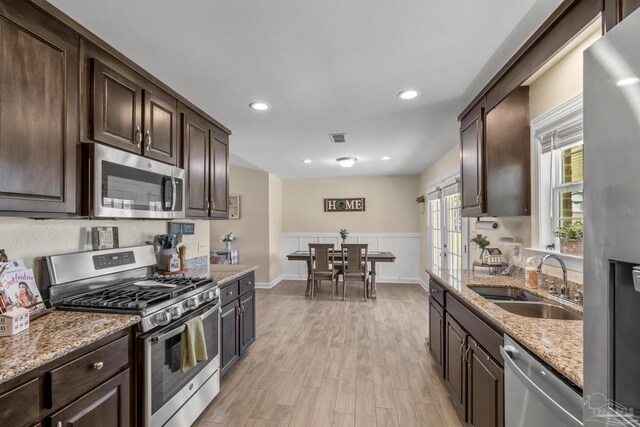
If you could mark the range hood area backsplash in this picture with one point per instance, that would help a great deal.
(32, 238)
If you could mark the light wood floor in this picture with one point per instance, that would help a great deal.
(335, 363)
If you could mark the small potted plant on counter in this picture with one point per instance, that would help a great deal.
(571, 236)
(482, 243)
(344, 234)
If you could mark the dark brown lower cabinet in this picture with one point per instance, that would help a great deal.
(466, 349)
(229, 339)
(237, 320)
(247, 321)
(486, 388)
(455, 366)
(436, 333)
(89, 387)
(105, 406)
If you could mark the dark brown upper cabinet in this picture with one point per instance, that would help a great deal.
(508, 156)
(472, 162)
(219, 185)
(129, 113)
(495, 154)
(38, 112)
(160, 127)
(206, 159)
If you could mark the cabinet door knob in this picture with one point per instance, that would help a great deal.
(98, 365)
(230, 293)
(138, 136)
(148, 136)
(59, 424)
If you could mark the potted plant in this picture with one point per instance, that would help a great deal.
(227, 239)
(571, 236)
(482, 243)
(420, 201)
(344, 234)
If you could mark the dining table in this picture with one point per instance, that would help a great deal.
(373, 257)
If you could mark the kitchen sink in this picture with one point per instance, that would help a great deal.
(540, 310)
(505, 294)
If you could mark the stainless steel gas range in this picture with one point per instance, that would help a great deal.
(122, 281)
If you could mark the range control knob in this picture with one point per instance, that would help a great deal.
(162, 318)
(192, 303)
(208, 296)
(176, 312)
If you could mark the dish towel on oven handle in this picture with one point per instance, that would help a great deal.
(193, 347)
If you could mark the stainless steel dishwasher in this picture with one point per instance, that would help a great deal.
(535, 396)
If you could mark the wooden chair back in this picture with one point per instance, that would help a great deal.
(322, 256)
(354, 257)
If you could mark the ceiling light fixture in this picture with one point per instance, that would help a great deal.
(259, 106)
(627, 82)
(307, 161)
(385, 158)
(408, 94)
(346, 162)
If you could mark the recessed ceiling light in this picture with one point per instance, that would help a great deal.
(346, 162)
(627, 82)
(385, 158)
(408, 94)
(259, 106)
(307, 161)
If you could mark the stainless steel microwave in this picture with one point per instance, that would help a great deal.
(127, 185)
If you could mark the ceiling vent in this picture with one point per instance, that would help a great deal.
(338, 138)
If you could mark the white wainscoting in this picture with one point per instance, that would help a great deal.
(405, 246)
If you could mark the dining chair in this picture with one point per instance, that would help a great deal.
(354, 266)
(322, 267)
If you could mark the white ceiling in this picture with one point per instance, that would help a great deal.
(324, 66)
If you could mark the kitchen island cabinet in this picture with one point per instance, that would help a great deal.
(70, 368)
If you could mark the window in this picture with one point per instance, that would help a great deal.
(446, 226)
(560, 168)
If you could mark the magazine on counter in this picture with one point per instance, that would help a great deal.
(19, 289)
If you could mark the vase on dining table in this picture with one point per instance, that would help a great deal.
(228, 246)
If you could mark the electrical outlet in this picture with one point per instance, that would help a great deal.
(202, 246)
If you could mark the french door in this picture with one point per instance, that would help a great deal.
(447, 228)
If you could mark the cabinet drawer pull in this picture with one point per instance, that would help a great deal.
(138, 136)
(59, 424)
(148, 137)
(229, 293)
(98, 365)
(207, 200)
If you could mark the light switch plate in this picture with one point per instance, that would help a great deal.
(202, 246)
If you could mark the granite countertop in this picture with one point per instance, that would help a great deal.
(54, 335)
(557, 342)
(223, 273)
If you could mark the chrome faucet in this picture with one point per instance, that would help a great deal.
(564, 289)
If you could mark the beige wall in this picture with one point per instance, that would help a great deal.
(390, 204)
(252, 229)
(29, 238)
(561, 82)
(444, 167)
(275, 227)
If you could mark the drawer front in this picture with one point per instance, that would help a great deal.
(20, 406)
(486, 336)
(247, 284)
(86, 372)
(436, 291)
(229, 293)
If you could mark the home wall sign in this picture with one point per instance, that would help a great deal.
(344, 205)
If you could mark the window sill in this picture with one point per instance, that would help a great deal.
(572, 262)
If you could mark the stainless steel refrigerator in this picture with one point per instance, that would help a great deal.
(612, 227)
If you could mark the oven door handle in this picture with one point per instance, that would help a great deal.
(180, 329)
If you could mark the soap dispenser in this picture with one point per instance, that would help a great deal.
(531, 273)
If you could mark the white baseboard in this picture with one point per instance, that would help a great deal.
(424, 285)
(269, 285)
